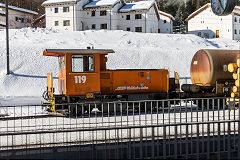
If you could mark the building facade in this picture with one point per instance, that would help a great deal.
(78, 15)
(102, 14)
(18, 17)
(166, 22)
(206, 24)
(139, 16)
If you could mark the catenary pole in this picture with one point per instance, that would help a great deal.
(7, 37)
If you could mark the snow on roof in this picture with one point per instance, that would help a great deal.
(2, 23)
(39, 17)
(141, 5)
(167, 15)
(2, 11)
(237, 7)
(99, 3)
(236, 10)
(198, 11)
(58, 1)
(19, 9)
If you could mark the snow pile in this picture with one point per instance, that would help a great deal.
(133, 51)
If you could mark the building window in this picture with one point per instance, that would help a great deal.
(103, 13)
(65, 9)
(93, 26)
(235, 19)
(19, 19)
(128, 29)
(200, 34)
(66, 23)
(235, 31)
(56, 23)
(56, 10)
(138, 16)
(206, 35)
(138, 29)
(93, 13)
(103, 26)
(165, 21)
(128, 17)
(82, 63)
(217, 33)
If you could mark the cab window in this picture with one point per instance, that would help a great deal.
(82, 63)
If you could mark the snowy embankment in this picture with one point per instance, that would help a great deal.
(133, 50)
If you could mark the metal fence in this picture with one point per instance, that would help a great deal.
(202, 128)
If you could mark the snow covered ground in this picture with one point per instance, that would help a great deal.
(133, 50)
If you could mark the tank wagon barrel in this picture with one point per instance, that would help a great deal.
(209, 73)
(209, 66)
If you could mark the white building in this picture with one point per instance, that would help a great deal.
(166, 22)
(139, 16)
(80, 15)
(102, 14)
(18, 17)
(206, 24)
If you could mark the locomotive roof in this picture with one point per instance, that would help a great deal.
(59, 52)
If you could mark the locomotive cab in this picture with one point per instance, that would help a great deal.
(79, 73)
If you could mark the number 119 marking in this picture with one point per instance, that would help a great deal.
(80, 79)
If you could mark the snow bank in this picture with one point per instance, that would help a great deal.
(133, 50)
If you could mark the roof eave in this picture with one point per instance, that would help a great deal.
(61, 52)
(134, 10)
(59, 3)
(94, 7)
(200, 10)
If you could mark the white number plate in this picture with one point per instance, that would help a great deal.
(80, 79)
